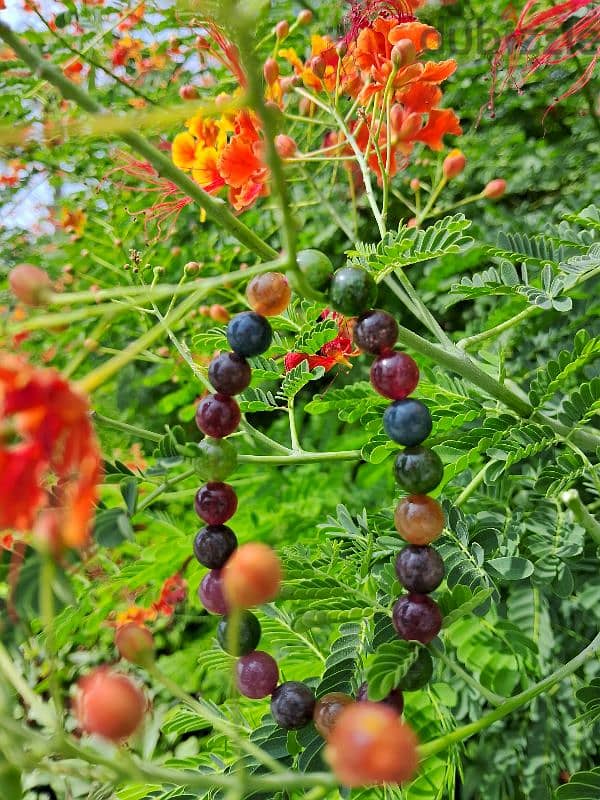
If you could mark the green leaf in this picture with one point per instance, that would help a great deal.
(388, 666)
(581, 786)
(511, 568)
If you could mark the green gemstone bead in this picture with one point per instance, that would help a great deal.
(418, 470)
(248, 634)
(316, 268)
(353, 291)
(216, 459)
(419, 673)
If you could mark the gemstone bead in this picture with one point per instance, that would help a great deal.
(419, 519)
(352, 291)
(211, 594)
(370, 745)
(292, 705)
(249, 334)
(229, 373)
(216, 459)
(269, 294)
(256, 674)
(394, 375)
(419, 673)
(394, 699)
(252, 575)
(316, 268)
(327, 711)
(420, 569)
(418, 470)
(215, 503)
(407, 422)
(417, 617)
(375, 331)
(248, 634)
(213, 545)
(218, 415)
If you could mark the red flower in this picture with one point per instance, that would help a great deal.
(337, 351)
(49, 455)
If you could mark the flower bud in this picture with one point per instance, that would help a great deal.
(188, 92)
(341, 48)
(219, 313)
(135, 644)
(410, 127)
(415, 184)
(305, 17)
(282, 29)
(318, 66)
(286, 146)
(271, 71)
(495, 189)
(412, 223)
(29, 284)
(454, 164)
(403, 53)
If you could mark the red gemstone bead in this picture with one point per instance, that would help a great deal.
(218, 415)
(257, 674)
(394, 375)
(215, 503)
(211, 594)
(417, 617)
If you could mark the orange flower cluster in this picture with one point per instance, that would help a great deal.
(224, 152)
(381, 65)
(49, 457)
(172, 593)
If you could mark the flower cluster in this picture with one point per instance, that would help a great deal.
(381, 66)
(172, 593)
(49, 457)
(224, 152)
(337, 351)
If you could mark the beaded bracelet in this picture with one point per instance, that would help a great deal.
(419, 519)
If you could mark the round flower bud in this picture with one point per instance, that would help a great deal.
(403, 53)
(285, 145)
(188, 92)
(29, 284)
(282, 29)
(271, 71)
(454, 164)
(135, 643)
(305, 17)
(495, 189)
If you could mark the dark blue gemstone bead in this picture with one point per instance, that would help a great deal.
(407, 422)
(249, 334)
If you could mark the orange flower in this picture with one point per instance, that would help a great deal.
(205, 170)
(49, 456)
(73, 221)
(183, 151)
(441, 121)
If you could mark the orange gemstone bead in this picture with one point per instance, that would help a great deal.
(269, 294)
(419, 519)
(251, 576)
(328, 709)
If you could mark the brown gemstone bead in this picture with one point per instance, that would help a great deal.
(328, 709)
(269, 294)
(419, 519)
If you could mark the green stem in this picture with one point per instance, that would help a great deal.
(472, 485)
(167, 483)
(47, 612)
(214, 208)
(492, 698)
(301, 458)
(38, 708)
(219, 723)
(459, 362)
(572, 500)
(491, 333)
(295, 442)
(140, 433)
(425, 314)
(510, 705)
(432, 199)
